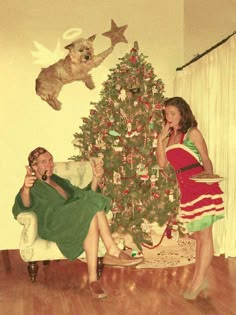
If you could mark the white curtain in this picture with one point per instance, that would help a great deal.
(209, 86)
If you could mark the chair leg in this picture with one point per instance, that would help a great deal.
(99, 267)
(33, 270)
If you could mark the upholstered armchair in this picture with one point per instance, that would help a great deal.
(34, 249)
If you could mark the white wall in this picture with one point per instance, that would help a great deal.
(26, 121)
(206, 23)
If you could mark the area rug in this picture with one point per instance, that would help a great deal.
(170, 253)
(180, 254)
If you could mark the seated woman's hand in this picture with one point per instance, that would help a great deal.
(97, 167)
(99, 170)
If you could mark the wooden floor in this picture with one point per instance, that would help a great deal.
(61, 290)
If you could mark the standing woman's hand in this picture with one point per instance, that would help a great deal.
(160, 153)
(164, 133)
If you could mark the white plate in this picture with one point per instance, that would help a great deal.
(207, 180)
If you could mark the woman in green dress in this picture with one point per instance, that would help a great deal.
(74, 218)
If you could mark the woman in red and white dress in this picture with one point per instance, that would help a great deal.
(181, 144)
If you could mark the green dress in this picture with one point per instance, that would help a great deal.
(65, 222)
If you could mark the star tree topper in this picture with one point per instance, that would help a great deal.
(116, 33)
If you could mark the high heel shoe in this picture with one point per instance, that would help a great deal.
(191, 295)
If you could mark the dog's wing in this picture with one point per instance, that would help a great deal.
(45, 57)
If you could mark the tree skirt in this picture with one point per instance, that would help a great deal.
(170, 253)
(182, 253)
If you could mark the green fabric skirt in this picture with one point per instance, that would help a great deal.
(198, 225)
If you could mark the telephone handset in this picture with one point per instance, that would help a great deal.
(170, 132)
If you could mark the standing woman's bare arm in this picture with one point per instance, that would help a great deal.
(161, 146)
(197, 138)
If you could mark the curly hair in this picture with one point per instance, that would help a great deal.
(35, 154)
(187, 118)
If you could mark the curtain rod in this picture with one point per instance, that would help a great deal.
(197, 57)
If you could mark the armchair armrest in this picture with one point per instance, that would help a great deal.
(30, 228)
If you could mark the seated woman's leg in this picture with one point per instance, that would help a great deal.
(105, 233)
(114, 256)
(91, 249)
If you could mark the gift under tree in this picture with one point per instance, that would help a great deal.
(122, 129)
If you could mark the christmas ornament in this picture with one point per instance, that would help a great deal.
(134, 253)
(175, 231)
(154, 89)
(93, 111)
(144, 177)
(114, 133)
(153, 180)
(171, 195)
(129, 133)
(133, 59)
(168, 232)
(116, 178)
(122, 96)
(100, 143)
(111, 119)
(155, 140)
(155, 195)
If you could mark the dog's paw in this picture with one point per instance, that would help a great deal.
(54, 103)
(89, 82)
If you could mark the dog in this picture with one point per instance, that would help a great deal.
(74, 67)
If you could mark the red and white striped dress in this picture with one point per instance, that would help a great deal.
(201, 204)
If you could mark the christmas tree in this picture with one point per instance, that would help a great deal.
(123, 129)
